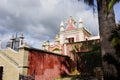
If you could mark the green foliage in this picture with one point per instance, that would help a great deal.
(111, 3)
(113, 59)
(92, 59)
(115, 37)
(115, 41)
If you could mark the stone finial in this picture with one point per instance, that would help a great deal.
(22, 36)
(57, 38)
(12, 38)
(21, 43)
(47, 43)
(80, 23)
(71, 17)
(44, 43)
(80, 20)
(62, 26)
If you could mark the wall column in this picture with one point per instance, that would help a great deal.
(65, 49)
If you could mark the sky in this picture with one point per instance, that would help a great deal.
(39, 20)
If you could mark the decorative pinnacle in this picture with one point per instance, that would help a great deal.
(61, 24)
(12, 38)
(80, 20)
(80, 23)
(22, 36)
(57, 38)
(71, 17)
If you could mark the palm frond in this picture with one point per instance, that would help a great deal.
(111, 3)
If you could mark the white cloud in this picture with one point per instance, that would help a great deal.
(40, 19)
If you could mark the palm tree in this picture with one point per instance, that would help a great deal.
(106, 25)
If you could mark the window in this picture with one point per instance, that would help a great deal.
(71, 40)
(1, 73)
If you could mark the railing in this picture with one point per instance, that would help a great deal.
(25, 77)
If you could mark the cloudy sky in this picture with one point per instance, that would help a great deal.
(39, 20)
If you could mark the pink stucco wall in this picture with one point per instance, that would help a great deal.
(47, 66)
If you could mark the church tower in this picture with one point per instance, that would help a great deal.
(69, 33)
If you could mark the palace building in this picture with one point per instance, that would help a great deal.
(71, 33)
(21, 62)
